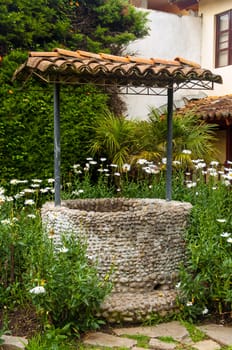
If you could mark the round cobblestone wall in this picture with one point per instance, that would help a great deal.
(141, 238)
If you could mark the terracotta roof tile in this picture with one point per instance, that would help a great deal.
(165, 62)
(43, 54)
(114, 58)
(189, 63)
(63, 52)
(68, 66)
(140, 60)
(88, 54)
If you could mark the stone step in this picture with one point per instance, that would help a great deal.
(137, 307)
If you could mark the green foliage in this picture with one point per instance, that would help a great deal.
(58, 279)
(71, 281)
(195, 334)
(142, 340)
(94, 25)
(119, 23)
(81, 184)
(167, 339)
(123, 140)
(206, 278)
(32, 25)
(80, 108)
(52, 340)
(87, 127)
(106, 26)
(114, 138)
(26, 127)
(189, 132)
(73, 289)
(17, 242)
(1, 334)
(26, 124)
(155, 318)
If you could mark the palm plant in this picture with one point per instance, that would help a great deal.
(192, 133)
(114, 138)
(122, 140)
(150, 143)
(189, 132)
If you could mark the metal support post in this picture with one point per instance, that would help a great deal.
(169, 144)
(57, 143)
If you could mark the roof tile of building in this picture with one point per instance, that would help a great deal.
(215, 109)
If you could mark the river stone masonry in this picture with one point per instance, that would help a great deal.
(143, 239)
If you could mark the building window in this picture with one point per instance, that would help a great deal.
(224, 39)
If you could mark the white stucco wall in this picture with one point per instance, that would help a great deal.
(208, 9)
(170, 36)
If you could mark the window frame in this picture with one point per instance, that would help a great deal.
(218, 35)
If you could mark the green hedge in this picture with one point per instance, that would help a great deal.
(26, 123)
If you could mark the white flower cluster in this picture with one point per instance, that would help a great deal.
(38, 290)
(34, 188)
(225, 234)
(228, 236)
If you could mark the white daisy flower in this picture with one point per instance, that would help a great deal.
(37, 290)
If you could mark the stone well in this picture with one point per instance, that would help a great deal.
(141, 238)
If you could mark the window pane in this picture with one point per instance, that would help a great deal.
(224, 41)
(224, 22)
(223, 58)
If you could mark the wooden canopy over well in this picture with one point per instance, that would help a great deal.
(78, 67)
(134, 75)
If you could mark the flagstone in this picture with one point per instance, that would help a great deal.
(13, 343)
(104, 339)
(161, 345)
(138, 348)
(220, 334)
(172, 329)
(206, 345)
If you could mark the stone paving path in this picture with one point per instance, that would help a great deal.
(216, 336)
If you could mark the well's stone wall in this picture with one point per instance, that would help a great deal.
(141, 238)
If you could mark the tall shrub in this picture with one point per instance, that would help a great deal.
(94, 25)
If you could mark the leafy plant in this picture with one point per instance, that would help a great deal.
(73, 284)
(61, 282)
(51, 341)
(62, 275)
(26, 127)
(205, 279)
(114, 138)
(189, 132)
(155, 318)
(88, 25)
(1, 334)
